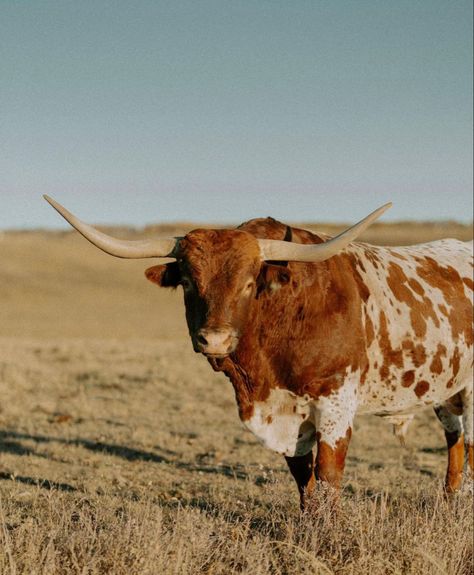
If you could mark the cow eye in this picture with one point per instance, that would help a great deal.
(186, 284)
(248, 286)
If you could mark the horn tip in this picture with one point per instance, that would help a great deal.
(379, 211)
(57, 206)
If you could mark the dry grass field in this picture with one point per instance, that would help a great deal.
(121, 452)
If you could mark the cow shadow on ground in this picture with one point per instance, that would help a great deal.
(11, 442)
(435, 450)
(268, 518)
(42, 483)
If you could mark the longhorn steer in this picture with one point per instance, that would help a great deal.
(311, 330)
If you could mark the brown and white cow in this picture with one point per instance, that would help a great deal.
(311, 330)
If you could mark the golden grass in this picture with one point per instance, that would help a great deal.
(53, 532)
(121, 451)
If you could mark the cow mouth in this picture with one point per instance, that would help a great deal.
(216, 355)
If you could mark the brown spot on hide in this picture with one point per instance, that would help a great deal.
(360, 263)
(437, 365)
(361, 285)
(268, 419)
(384, 371)
(369, 330)
(416, 352)
(443, 309)
(455, 362)
(322, 387)
(363, 376)
(397, 255)
(448, 280)
(469, 282)
(408, 378)
(404, 291)
(390, 356)
(372, 256)
(416, 286)
(421, 388)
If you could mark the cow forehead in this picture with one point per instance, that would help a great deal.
(220, 251)
(210, 244)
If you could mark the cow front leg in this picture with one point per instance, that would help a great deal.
(331, 458)
(302, 469)
(334, 420)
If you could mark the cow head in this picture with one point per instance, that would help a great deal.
(218, 271)
(221, 272)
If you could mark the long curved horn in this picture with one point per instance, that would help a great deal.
(162, 248)
(276, 250)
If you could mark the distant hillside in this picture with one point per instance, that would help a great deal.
(392, 233)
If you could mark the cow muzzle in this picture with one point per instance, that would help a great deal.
(216, 342)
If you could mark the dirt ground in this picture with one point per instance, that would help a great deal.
(121, 450)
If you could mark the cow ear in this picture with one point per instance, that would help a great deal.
(166, 275)
(272, 277)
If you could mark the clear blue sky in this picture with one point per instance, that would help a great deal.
(145, 111)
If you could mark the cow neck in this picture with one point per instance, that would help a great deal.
(284, 345)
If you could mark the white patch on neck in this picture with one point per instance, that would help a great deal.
(284, 423)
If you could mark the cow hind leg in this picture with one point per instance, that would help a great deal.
(467, 398)
(302, 469)
(455, 440)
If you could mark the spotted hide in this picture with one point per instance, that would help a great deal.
(371, 330)
(341, 327)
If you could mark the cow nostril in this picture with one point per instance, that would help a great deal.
(217, 342)
(202, 340)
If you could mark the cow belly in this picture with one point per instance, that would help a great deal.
(283, 423)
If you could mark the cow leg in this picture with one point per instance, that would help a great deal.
(467, 397)
(302, 469)
(454, 438)
(334, 419)
(331, 458)
(329, 466)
